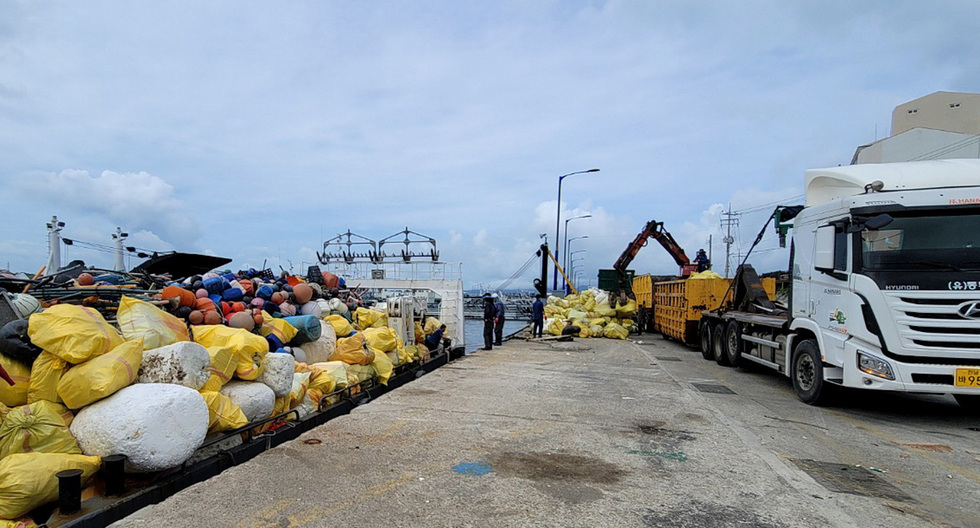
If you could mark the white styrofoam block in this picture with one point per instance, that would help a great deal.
(298, 353)
(277, 372)
(255, 399)
(320, 350)
(156, 425)
(185, 363)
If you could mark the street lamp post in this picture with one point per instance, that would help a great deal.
(570, 240)
(572, 260)
(572, 271)
(558, 217)
(564, 259)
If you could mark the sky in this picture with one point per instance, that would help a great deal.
(257, 130)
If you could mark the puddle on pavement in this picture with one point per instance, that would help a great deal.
(556, 467)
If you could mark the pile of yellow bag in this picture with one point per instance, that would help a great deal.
(85, 359)
(591, 312)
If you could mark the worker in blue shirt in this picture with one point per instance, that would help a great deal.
(537, 317)
(499, 317)
(435, 338)
(702, 261)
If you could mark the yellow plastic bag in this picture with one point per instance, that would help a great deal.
(615, 331)
(604, 310)
(365, 318)
(27, 480)
(278, 327)
(353, 350)
(45, 375)
(383, 339)
(585, 331)
(3, 412)
(158, 328)
(223, 415)
(38, 427)
(24, 522)
(383, 366)
(101, 376)
(597, 330)
(73, 333)
(417, 353)
(419, 333)
(627, 311)
(301, 382)
(340, 325)
(248, 348)
(337, 370)
(321, 380)
(222, 368)
(431, 325)
(555, 326)
(16, 394)
(361, 372)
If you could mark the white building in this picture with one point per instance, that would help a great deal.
(941, 125)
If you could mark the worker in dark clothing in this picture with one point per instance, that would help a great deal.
(537, 317)
(435, 338)
(701, 259)
(489, 314)
(499, 317)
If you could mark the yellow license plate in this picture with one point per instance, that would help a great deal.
(967, 377)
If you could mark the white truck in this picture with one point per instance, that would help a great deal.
(885, 285)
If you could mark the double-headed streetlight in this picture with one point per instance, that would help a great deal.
(568, 244)
(558, 218)
(564, 259)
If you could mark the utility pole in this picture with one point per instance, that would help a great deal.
(728, 220)
(709, 247)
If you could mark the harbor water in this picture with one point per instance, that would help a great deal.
(473, 329)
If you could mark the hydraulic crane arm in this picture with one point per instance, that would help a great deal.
(654, 230)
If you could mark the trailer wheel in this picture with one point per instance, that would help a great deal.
(718, 344)
(733, 342)
(807, 373)
(705, 334)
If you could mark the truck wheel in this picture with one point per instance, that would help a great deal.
(969, 402)
(705, 334)
(733, 342)
(718, 344)
(807, 373)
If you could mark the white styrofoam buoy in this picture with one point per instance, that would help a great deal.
(255, 399)
(156, 425)
(277, 372)
(185, 363)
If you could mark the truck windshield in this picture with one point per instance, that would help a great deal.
(924, 242)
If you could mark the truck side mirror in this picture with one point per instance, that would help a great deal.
(823, 249)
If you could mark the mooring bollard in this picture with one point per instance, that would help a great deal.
(114, 475)
(69, 491)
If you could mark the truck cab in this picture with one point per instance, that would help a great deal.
(885, 268)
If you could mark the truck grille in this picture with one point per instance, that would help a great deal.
(931, 329)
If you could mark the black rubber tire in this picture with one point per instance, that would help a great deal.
(705, 333)
(718, 345)
(969, 402)
(807, 373)
(733, 342)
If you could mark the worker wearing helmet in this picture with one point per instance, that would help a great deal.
(701, 259)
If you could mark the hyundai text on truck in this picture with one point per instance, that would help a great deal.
(884, 291)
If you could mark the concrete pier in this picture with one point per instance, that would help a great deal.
(594, 432)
